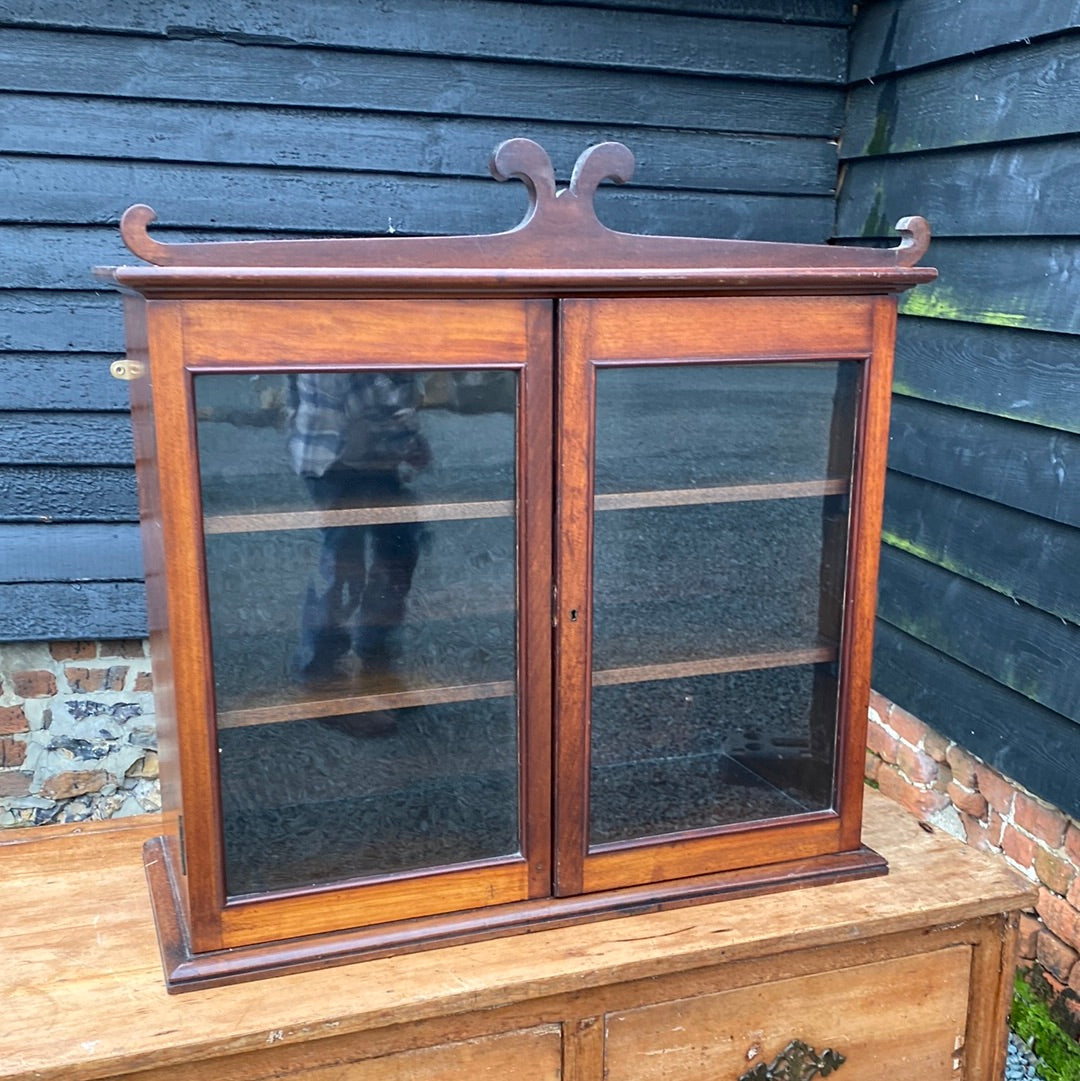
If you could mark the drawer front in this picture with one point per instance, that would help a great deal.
(535, 1054)
(904, 1019)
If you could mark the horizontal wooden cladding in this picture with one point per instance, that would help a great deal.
(66, 493)
(1020, 465)
(910, 1010)
(393, 148)
(204, 69)
(1021, 282)
(429, 333)
(533, 33)
(83, 321)
(1020, 555)
(892, 35)
(294, 21)
(266, 920)
(43, 611)
(1031, 652)
(70, 553)
(264, 200)
(1031, 744)
(662, 861)
(1022, 188)
(1026, 92)
(728, 327)
(46, 382)
(1017, 374)
(85, 438)
(811, 12)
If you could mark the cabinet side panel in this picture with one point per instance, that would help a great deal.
(139, 324)
(191, 687)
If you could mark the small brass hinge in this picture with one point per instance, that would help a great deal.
(127, 369)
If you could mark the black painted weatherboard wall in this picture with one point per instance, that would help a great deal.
(235, 119)
(969, 113)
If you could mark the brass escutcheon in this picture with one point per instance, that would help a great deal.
(797, 1062)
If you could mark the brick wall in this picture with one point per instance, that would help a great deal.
(945, 786)
(77, 734)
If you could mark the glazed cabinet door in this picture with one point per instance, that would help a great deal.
(371, 523)
(710, 462)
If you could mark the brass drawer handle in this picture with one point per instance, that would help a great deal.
(797, 1062)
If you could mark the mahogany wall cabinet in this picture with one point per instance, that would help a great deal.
(503, 581)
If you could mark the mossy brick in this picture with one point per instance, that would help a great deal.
(963, 799)
(1057, 957)
(33, 683)
(916, 764)
(1072, 843)
(962, 765)
(84, 680)
(14, 785)
(1061, 917)
(986, 837)
(1030, 926)
(873, 764)
(936, 746)
(998, 792)
(73, 651)
(906, 725)
(1018, 846)
(13, 719)
(881, 743)
(919, 801)
(943, 778)
(128, 648)
(12, 752)
(879, 705)
(1054, 871)
(1046, 823)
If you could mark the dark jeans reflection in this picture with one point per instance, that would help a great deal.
(355, 600)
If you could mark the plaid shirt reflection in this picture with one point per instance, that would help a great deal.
(364, 421)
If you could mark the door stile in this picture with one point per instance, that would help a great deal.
(535, 515)
(571, 612)
(868, 487)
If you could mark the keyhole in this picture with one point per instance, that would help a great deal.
(573, 615)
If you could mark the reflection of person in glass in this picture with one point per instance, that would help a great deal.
(355, 439)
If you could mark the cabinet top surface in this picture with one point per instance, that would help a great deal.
(82, 975)
(560, 248)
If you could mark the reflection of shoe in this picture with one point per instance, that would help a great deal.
(381, 680)
(324, 677)
(379, 722)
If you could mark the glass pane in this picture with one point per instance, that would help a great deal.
(719, 556)
(360, 552)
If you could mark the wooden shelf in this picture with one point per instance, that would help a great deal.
(734, 493)
(713, 666)
(349, 702)
(357, 516)
(297, 709)
(504, 508)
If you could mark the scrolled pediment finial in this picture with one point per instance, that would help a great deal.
(915, 239)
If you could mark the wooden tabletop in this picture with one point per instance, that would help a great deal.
(82, 995)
